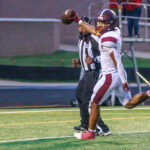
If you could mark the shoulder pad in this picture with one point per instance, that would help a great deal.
(109, 41)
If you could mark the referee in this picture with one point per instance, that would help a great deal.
(89, 55)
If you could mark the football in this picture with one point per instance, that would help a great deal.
(67, 14)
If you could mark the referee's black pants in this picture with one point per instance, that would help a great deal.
(83, 95)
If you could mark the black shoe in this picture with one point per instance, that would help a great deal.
(100, 132)
(102, 128)
(107, 132)
(80, 128)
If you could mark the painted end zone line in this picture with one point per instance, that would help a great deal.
(63, 137)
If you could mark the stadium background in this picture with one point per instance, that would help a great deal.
(21, 38)
(27, 82)
(26, 38)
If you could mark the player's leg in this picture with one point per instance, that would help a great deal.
(101, 91)
(137, 99)
(124, 97)
(94, 116)
(127, 101)
(91, 80)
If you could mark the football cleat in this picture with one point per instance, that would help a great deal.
(77, 135)
(85, 136)
(99, 131)
(102, 129)
(102, 133)
(106, 133)
(80, 128)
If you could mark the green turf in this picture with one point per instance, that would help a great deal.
(59, 122)
(60, 58)
(141, 62)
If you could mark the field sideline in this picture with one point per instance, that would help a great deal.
(52, 128)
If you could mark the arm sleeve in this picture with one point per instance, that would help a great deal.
(121, 71)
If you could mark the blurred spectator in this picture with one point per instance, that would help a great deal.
(133, 10)
(113, 5)
(148, 8)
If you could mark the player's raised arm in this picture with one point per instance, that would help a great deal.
(91, 29)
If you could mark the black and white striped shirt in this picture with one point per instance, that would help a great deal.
(89, 46)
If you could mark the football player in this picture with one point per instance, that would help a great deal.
(113, 73)
(89, 60)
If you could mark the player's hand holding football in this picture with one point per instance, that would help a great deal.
(75, 63)
(75, 18)
(125, 87)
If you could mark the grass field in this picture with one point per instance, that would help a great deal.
(60, 58)
(52, 129)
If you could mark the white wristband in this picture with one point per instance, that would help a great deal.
(80, 22)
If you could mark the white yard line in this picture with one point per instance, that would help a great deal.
(60, 110)
(34, 139)
(34, 111)
(131, 132)
(62, 137)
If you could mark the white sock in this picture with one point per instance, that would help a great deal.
(91, 130)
